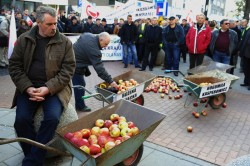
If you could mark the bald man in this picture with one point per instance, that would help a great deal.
(87, 53)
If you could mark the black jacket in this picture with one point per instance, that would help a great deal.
(87, 27)
(75, 28)
(128, 33)
(97, 29)
(244, 45)
(153, 35)
(87, 53)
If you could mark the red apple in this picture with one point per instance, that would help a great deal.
(107, 123)
(102, 140)
(85, 149)
(126, 137)
(94, 149)
(68, 136)
(195, 104)
(135, 130)
(115, 132)
(126, 131)
(181, 95)
(92, 139)
(86, 133)
(116, 122)
(110, 139)
(99, 122)
(104, 131)
(123, 125)
(95, 131)
(77, 134)
(131, 124)
(122, 119)
(82, 142)
(114, 117)
(74, 140)
(118, 138)
(109, 145)
(113, 126)
(224, 105)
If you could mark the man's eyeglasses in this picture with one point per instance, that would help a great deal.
(227, 23)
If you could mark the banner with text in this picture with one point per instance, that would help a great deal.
(112, 52)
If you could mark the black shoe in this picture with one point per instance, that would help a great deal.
(138, 66)
(248, 88)
(176, 73)
(184, 61)
(150, 69)
(243, 84)
(125, 66)
(85, 109)
(141, 69)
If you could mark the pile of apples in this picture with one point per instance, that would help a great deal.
(105, 135)
(163, 85)
(125, 85)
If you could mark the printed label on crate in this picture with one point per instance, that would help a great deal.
(214, 89)
(131, 94)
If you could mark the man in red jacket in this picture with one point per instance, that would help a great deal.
(197, 40)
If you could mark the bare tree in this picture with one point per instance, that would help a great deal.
(247, 10)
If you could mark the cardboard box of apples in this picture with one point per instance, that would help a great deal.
(103, 139)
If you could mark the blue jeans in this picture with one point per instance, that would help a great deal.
(126, 48)
(79, 80)
(221, 57)
(172, 50)
(52, 109)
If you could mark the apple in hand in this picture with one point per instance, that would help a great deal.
(85, 149)
(99, 122)
(95, 131)
(115, 132)
(107, 123)
(104, 131)
(109, 145)
(114, 117)
(92, 139)
(68, 136)
(131, 124)
(86, 133)
(123, 125)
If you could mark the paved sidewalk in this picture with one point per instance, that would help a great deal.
(218, 138)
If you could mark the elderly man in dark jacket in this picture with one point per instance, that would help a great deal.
(41, 67)
(87, 52)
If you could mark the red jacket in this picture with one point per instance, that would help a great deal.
(197, 42)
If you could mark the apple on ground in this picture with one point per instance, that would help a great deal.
(135, 130)
(86, 133)
(99, 122)
(102, 140)
(131, 124)
(170, 97)
(115, 132)
(126, 131)
(85, 149)
(107, 123)
(123, 125)
(114, 117)
(92, 139)
(68, 136)
(94, 149)
(195, 104)
(196, 115)
(224, 105)
(82, 142)
(122, 119)
(104, 131)
(189, 129)
(109, 145)
(95, 131)
(162, 95)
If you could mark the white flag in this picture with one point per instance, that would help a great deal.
(13, 35)
(29, 21)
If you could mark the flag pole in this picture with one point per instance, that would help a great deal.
(12, 31)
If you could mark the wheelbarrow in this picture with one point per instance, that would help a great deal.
(128, 152)
(209, 88)
(133, 94)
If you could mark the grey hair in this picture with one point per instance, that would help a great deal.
(104, 35)
(41, 10)
(231, 21)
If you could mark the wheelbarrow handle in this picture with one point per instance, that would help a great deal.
(169, 71)
(96, 95)
(34, 143)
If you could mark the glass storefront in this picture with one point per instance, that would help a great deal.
(19, 5)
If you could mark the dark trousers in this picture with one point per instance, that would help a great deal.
(184, 52)
(233, 62)
(173, 56)
(153, 49)
(140, 51)
(195, 60)
(79, 80)
(246, 70)
(24, 125)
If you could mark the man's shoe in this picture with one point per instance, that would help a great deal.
(138, 66)
(184, 61)
(125, 66)
(141, 69)
(243, 84)
(248, 88)
(176, 73)
(85, 109)
(150, 69)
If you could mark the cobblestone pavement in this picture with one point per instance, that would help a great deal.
(218, 138)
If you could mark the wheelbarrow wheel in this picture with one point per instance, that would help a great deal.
(217, 101)
(134, 159)
(139, 100)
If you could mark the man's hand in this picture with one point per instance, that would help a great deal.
(37, 94)
(113, 84)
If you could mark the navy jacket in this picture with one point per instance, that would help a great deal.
(179, 34)
(128, 33)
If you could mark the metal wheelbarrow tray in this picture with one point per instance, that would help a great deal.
(143, 78)
(145, 119)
